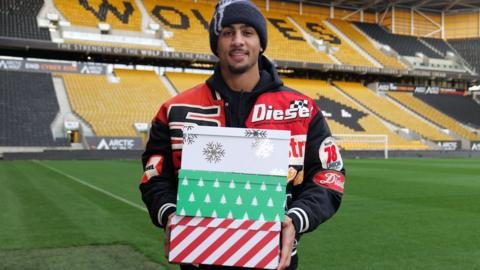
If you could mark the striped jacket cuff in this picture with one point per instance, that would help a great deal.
(300, 219)
(164, 212)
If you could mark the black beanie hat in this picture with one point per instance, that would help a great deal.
(228, 12)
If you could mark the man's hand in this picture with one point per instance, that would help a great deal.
(167, 235)
(288, 238)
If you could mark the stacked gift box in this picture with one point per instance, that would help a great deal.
(231, 197)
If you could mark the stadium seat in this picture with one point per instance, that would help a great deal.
(469, 49)
(120, 14)
(362, 41)
(188, 21)
(404, 45)
(390, 112)
(18, 19)
(185, 81)
(112, 108)
(361, 122)
(433, 114)
(28, 106)
(286, 42)
(462, 108)
(345, 53)
(439, 44)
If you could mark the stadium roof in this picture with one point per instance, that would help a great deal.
(380, 5)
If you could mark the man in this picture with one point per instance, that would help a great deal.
(245, 91)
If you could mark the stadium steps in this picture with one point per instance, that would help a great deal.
(184, 81)
(384, 108)
(66, 113)
(18, 19)
(168, 85)
(28, 106)
(459, 56)
(366, 43)
(292, 47)
(464, 109)
(403, 44)
(146, 18)
(387, 122)
(422, 117)
(113, 108)
(435, 116)
(431, 47)
(309, 38)
(350, 42)
(184, 33)
(326, 93)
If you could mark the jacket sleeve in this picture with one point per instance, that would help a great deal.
(320, 194)
(158, 185)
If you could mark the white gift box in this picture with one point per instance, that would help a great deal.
(240, 150)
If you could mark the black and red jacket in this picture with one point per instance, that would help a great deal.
(316, 173)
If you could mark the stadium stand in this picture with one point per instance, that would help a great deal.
(432, 114)
(439, 44)
(362, 41)
(391, 112)
(184, 81)
(187, 21)
(469, 49)
(18, 20)
(112, 108)
(345, 117)
(28, 106)
(287, 43)
(345, 53)
(120, 14)
(404, 45)
(462, 108)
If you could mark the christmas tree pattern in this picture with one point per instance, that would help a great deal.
(231, 195)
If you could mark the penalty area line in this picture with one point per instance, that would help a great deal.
(71, 177)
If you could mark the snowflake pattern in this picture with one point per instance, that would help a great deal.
(188, 138)
(255, 133)
(263, 148)
(213, 152)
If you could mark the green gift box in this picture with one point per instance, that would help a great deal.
(231, 195)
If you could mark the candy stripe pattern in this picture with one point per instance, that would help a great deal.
(229, 242)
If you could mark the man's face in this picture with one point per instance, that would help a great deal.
(238, 48)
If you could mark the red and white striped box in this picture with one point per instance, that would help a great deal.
(227, 242)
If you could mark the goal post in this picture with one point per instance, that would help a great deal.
(363, 142)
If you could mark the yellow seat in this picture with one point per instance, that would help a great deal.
(292, 48)
(318, 88)
(112, 108)
(391, 112)
(345, 53)
(433, 114)
(120, 14)
(185, 81)
(363, 42)
(187, 20)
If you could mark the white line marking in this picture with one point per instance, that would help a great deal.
(91, 186)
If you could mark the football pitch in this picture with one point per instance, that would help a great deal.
(396, 214)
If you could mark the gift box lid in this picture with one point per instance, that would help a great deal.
(226, 223)
(227, 242)
(255, 151)
(231, 195)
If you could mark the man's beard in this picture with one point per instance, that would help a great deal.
(239, 70)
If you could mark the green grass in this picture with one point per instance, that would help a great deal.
(396, 214)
